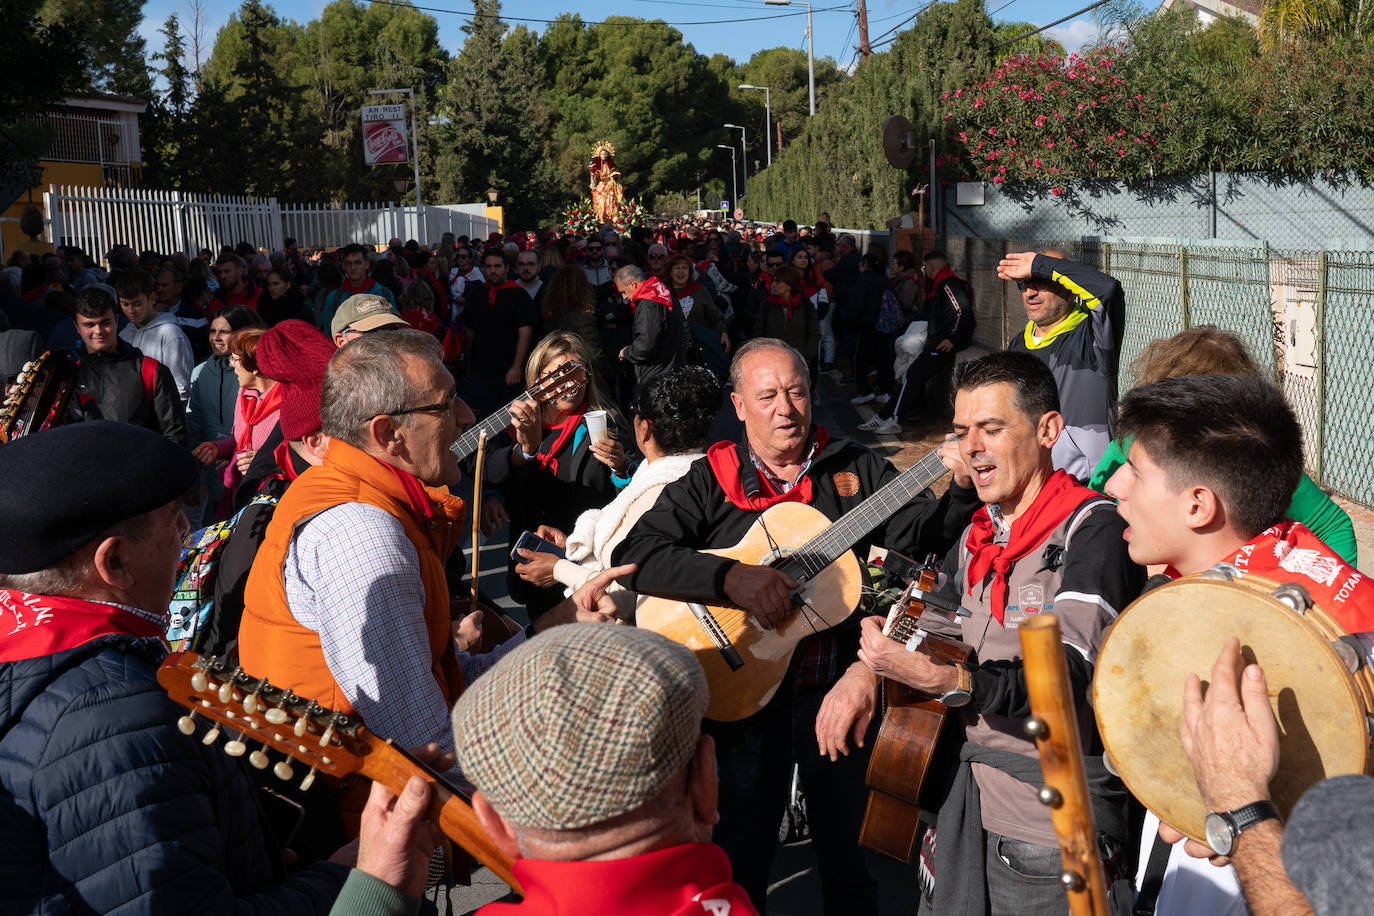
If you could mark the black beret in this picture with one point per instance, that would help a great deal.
(62, 487)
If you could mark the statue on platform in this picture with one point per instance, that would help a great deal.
(607, 196)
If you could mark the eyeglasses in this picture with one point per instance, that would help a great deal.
(1040, 286)
(441, 407)
(234, 359)
(657, 257)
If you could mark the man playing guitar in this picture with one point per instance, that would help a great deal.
(1043, 542)
(783, 457)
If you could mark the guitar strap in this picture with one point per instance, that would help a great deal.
(1152, 882)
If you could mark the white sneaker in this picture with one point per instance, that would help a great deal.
(861, 399)
(889, 427)
(882, 399)
(872, 423)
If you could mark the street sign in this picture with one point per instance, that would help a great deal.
(739, 213)
(725, 206)
(384, 134)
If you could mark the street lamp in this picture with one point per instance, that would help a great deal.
(744, 151)
(767, 118)
(413, 129)
(734, 183)
(810, 46)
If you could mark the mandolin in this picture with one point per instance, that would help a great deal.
(42, 393)
(745, 663)
(1054, 727)
(326, 740)
(548, 387)
(900, 764)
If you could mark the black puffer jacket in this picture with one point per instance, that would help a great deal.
(113, 382)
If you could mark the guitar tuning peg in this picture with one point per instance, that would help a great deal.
(211, 736)
(235, 748)
(259, 758)
(308, 781)
(199, 682)
(282, 771)
(187, 724)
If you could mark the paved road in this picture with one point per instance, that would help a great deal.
(795, 890)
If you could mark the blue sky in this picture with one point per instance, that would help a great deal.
(835, 32)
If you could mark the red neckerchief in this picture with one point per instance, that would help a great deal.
(549, 460)
(1060, 495)
(944, 274)
(33, 626)
(775, 299)
(493, 290)
(725, 464)
(689, 290)
(255, 410)
(1288, 552)
(653, 290)
(35, 294)
(367, 284)
(417, 499)
(282, 456)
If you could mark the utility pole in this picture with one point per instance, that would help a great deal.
(864, 49)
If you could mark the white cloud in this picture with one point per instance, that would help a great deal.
(1074, 35)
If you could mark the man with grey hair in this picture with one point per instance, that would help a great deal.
(657, 345)
(347, 601)
(785, 457)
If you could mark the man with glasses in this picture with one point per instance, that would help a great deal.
(527, 276)
(463, 275)
(1076, 317)
(347, 600)
(597, 270)
(658, 257)
(362, 314)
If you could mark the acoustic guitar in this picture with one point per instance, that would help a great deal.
(745, 663)
(326, 740)
(41, 396)
(910, 737)
(548, 387)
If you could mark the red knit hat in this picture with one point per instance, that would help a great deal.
(296, 354)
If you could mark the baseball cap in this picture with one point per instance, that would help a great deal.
(365, 312)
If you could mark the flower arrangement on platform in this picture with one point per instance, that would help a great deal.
(580, 219)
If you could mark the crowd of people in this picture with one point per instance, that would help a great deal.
(299, 410)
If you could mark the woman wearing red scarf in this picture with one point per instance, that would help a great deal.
(255, 415)
(547, 471)
(811, 281)
(790, 316)
(704, 321)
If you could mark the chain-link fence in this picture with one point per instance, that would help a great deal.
(1306, 317)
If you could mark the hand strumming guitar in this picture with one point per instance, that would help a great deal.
(763, 591)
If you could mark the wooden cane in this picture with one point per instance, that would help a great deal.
(477, 515)
(1054, 727)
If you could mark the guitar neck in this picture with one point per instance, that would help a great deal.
(823, 549)
(450, 805)
(491, 425)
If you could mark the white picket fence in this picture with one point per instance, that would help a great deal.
(168, 221)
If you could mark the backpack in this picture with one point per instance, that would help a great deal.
(890, 317)
(193, 598)
(147, 371)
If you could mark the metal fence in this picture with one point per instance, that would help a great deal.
(1307, 319)
(167, 221)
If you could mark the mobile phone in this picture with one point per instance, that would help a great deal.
(531, 541)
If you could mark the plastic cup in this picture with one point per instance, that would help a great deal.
(596, 424)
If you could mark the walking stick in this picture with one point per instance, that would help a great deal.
(477, 515)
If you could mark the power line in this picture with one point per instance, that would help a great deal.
(1056, 22)
(990, 15)
(909, 18)
(505, 18)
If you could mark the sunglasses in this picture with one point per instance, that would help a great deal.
(441, 407)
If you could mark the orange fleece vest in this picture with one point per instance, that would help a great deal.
(272, 644)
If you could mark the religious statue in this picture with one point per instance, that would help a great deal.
(607, 196)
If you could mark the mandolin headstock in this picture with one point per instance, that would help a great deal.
(266, 717)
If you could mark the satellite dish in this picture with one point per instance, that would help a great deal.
(899, 142)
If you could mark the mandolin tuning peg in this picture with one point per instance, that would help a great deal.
(226, 691)
(308, 781)
(199, 682)
(250, 702)
(259, 758)
(275, 716)
(187, 724)
(211, 736)
(235, 748)
(300, 727)
(282, 771)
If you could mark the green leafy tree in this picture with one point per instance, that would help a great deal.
(1037, 45)
(44, 61)
(167, 138)
(784, 72)
(108, 40)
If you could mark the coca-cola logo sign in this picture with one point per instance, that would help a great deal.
(384, 141)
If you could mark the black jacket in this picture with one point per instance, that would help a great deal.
(657, 341)
(693, 514)
(113, 382)
(949, 311)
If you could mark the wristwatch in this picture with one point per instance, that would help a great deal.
(1223, 827)
(962, 691)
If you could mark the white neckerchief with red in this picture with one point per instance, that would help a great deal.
(34, 626)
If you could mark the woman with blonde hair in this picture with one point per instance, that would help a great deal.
(1208, 350)
(547, 470)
